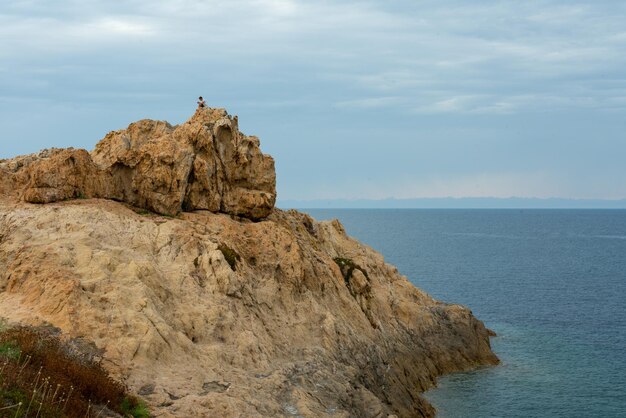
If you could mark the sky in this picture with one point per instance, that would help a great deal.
(354, 99)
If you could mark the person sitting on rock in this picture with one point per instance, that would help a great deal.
(201, 102)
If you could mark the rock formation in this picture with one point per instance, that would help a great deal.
(205, 163)
(209, 314)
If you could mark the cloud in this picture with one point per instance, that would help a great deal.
(424, 57)
(452, 104)
(370, 103)
(434, 72)
(118, 26)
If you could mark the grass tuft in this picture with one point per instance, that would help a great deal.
(135, 408)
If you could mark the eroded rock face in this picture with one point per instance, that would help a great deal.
(275, 328)
(205, 163)
(207, 314)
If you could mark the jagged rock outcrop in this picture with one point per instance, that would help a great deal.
(205, 163)
(211, 315)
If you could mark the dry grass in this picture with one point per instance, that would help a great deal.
(41, 376)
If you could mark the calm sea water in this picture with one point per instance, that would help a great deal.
(551, 283)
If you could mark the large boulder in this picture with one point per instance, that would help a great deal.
(204, 163)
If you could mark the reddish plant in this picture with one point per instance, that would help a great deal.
(53, 378)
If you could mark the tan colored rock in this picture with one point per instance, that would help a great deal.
(65, 174)
(205, 163)
(359, 284)
(209, 314)
(280, 333)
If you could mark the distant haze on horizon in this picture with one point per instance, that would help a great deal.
(353, 99)
(453, 203)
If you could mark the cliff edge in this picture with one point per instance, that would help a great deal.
(232, 308)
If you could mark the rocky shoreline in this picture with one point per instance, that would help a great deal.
(205, 299)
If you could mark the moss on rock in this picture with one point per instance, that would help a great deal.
(230, 255)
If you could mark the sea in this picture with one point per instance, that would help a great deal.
(550, 283)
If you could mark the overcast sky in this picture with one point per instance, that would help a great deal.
(363, 99)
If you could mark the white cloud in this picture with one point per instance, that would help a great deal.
(499, 58)
(118, 26)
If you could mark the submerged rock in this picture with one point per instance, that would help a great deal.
(208, 314)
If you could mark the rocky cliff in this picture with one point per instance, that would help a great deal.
(232, 308)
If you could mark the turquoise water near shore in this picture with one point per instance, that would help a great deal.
(550, 283)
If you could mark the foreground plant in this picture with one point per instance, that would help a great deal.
(43, 376)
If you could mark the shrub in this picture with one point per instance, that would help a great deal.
(50, 378)
(347, 267)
